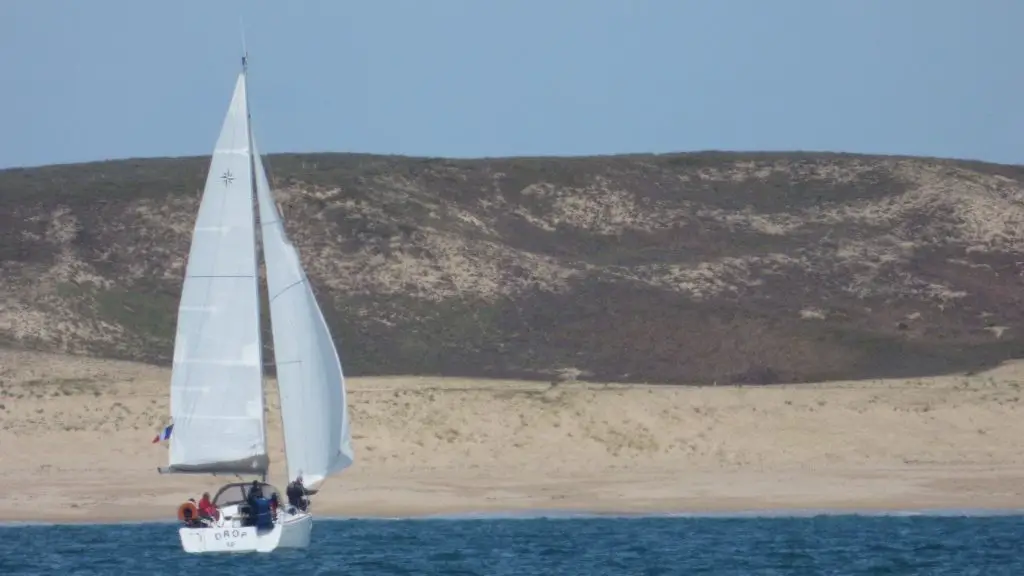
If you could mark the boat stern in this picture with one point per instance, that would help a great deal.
(290, 531)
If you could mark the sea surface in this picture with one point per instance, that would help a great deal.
(812, 544)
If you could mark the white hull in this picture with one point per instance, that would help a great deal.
(290, 531)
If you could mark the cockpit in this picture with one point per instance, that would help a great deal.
(238, 493)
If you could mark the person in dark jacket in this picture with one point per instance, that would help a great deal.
(252, 501)
(296, 493)
(255, 491)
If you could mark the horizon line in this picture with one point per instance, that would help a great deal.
(582, 156)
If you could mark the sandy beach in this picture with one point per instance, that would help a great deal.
(75, 445)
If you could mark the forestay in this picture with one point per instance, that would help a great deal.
(216, 385)
(314, 409)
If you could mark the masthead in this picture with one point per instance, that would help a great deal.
(245, 51)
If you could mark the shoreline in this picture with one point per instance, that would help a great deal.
(77, 434)
(555, 514)
(912, 490)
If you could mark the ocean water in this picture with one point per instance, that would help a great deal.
(825, 544)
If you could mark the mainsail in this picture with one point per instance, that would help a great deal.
(217, 380)
(309, 375)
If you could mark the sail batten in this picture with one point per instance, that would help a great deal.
(216, 382)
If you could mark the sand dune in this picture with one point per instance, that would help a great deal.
(75, 436)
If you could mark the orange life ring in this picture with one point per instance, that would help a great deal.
(188, 506)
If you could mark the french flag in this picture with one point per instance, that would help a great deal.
(163, 435)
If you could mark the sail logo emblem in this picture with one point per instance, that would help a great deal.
(227, 178)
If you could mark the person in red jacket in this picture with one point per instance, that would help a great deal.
(207, 509)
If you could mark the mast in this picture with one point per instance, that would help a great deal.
(256, 236)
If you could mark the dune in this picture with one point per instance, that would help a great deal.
(76, 445)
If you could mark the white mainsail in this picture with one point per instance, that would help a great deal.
(311, 383)
(217, 379)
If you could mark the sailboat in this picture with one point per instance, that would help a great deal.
(217, 399)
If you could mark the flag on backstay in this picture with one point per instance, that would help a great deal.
(166, 434)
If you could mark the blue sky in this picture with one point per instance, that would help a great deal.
(98, 79)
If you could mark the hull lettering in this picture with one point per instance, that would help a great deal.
(229, 535)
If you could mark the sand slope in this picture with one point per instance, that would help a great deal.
(75, 436)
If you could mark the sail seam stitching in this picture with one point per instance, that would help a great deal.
(287, 288)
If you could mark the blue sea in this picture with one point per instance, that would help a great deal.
(824, 544)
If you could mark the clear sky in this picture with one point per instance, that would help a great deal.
(98, 79)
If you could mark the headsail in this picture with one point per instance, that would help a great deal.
(217, 380)
(314, 409)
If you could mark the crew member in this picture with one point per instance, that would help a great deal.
(297, 494)
(207, 509)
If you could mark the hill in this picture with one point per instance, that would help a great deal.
(682, 268)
